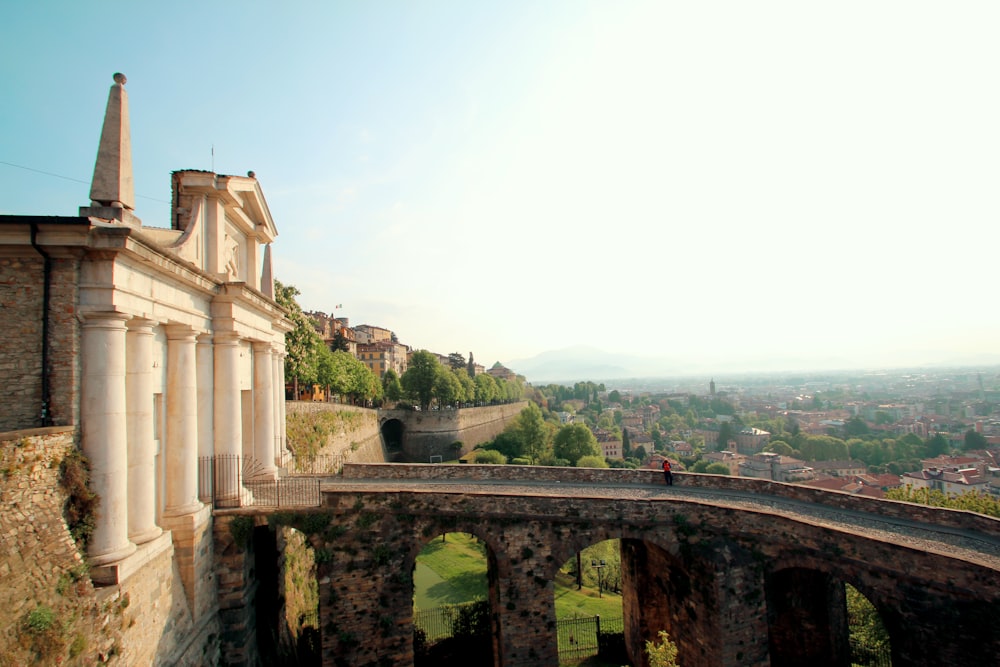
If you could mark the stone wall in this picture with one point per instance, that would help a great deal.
(144, 620)
(353, 431)
(706, 573)
(432, 432)
(598, 476)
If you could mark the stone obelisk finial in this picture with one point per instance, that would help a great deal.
(112, 186)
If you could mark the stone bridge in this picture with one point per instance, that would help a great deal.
(738, 571)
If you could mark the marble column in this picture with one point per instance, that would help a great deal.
(228, 417)
(204, 357)
(141, 450)
(104, 432)
(182, 423)
(278, 397)
(281, 423)
(263, 410)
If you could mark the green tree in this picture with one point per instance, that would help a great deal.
(510, 443)
(974, 440)
(717, 469)
(937, 445)
(592, 461)
(467, 383)
(856, 426)
(456, 361)
(779, 447)
(574, 441)
(726, 433)
(303, 345)
(391, 386)
(418, 380)
(339, 343)
(447, 388)
(486, 389)
(531, 426)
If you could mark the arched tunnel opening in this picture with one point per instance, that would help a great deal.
(392, 437)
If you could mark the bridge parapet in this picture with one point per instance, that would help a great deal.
(958, 519)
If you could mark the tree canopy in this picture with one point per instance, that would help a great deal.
(574, 441)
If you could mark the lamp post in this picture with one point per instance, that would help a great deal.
(599, 565)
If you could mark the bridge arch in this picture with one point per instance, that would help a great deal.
(428, 538)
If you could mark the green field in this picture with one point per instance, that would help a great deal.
(453, 570)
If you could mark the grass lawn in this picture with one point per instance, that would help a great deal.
(450, 571)
(585, 602)
(453, 570)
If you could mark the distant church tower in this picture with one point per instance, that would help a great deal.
(711, 387)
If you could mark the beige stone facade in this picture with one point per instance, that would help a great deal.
(156, 347)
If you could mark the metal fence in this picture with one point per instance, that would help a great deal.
(469, 618)
(322, 464)
(586, 636)
(230, 481)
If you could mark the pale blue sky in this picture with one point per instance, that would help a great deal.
(747, 184)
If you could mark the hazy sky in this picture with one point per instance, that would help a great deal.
(741, 183)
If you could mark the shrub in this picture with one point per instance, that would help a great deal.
(80, 509)
(591, 461)
(490, 456)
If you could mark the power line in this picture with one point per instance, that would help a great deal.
(68, 178)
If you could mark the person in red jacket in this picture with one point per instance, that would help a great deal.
(668, 475)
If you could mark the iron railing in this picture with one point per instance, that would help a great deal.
(587, 636)
(229, 481)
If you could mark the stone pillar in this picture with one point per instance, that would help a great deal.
(182, 423)
(104, 432)
(141, 451)
(807, 615)
(228, 418)
(263, 410)
(206, 398)
(278, 392)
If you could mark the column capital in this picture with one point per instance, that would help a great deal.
(226, 338)
(104, 319)
(180, 332)
(205, 338)
(267, 347)
(141, 325)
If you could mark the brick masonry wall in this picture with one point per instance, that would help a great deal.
(21, 352)
(21, 298)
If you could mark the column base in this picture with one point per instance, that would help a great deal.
(146, 535)
(113, 556)
(113, 574)
(183, 510)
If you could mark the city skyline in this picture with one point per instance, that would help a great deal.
(732, 186)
